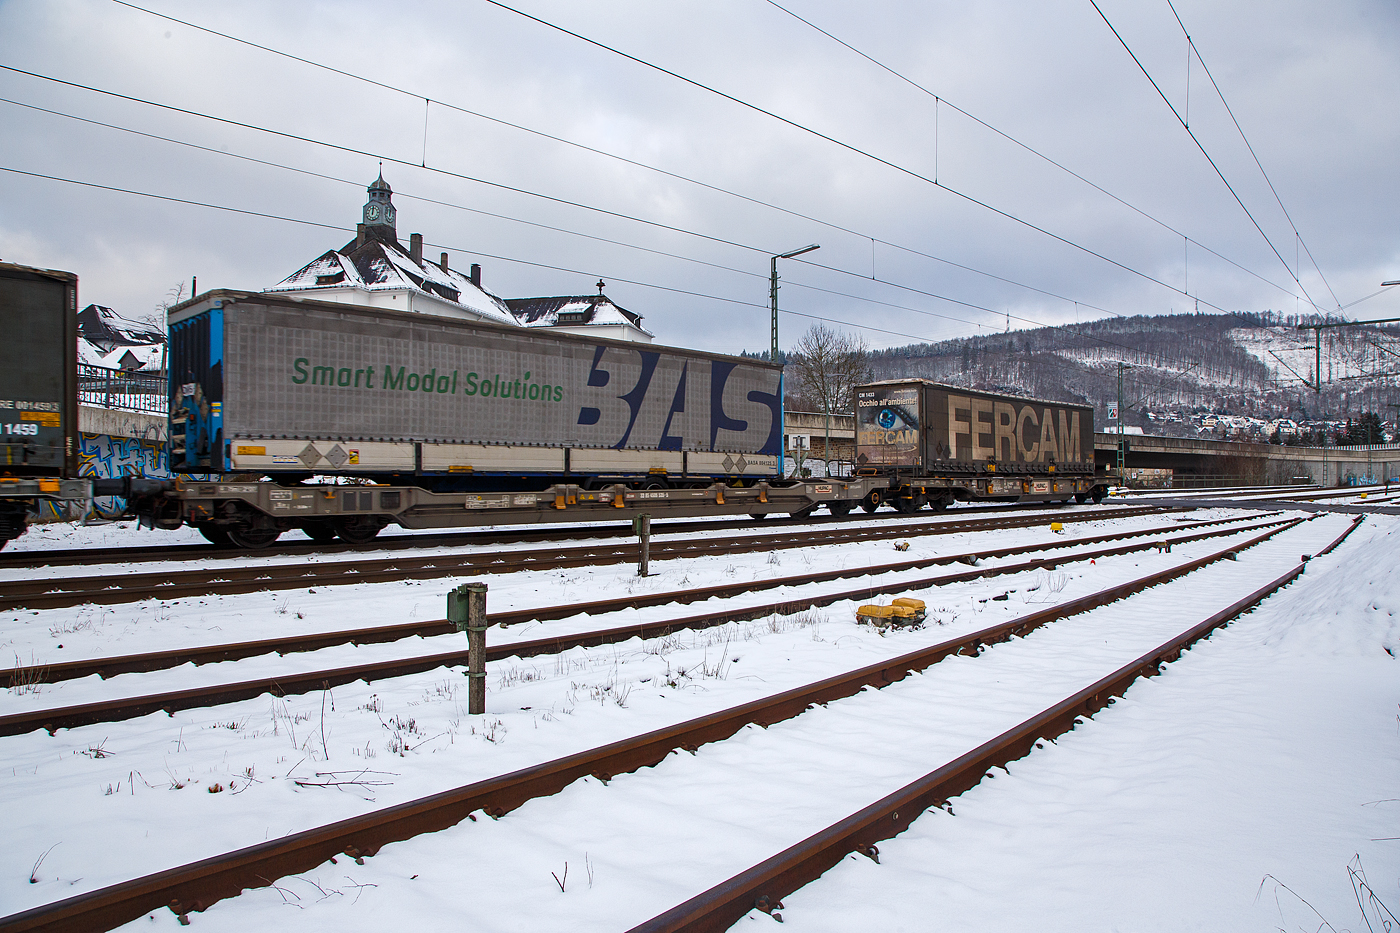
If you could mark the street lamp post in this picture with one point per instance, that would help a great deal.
(773, 299)
(773, 291)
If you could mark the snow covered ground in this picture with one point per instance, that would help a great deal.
(1269, 750)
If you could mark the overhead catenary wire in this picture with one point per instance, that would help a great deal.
(463, 249)
(624, 159)
(942, 101)
(535, 264)
(902, 247)
(1200, 146)
(446, 172)
(859, 151)
(713, 265)
(589, 207)
(1193, 50)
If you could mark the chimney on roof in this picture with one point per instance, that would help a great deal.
(476, 274)
(359, 235)
(415, 248)
(442, 263)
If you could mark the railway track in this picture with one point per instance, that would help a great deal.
(116, 710)
(162, 660)
(78, 557)
(196, 886)
(60, 592)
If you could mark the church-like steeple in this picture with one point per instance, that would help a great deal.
(379, 213)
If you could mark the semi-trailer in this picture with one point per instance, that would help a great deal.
(939, 443)
(38, 394)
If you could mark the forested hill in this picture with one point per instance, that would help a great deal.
(1214, 362)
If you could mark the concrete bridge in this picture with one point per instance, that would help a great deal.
(1207, 462)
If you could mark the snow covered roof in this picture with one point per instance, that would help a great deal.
(572, 310)
(132, 359)
(382, 265)
(104, 328)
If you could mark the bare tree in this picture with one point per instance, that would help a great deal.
(829, 365)
(156, 317)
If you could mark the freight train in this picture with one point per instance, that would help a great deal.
(339, 420)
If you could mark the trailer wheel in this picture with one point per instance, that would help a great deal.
(359, 529)
(255, 537)
(215, 535)
(872, 501)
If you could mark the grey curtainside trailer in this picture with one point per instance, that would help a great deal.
(273, 385)
(38, 393)
(938, 443)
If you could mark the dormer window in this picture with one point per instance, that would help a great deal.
(333, 279)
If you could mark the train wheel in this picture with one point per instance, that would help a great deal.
(758, 516)
(1097, 495)
(908, 504)
(872, 502)
(320, 532)
(839, 508)
(1081, 497)
(215, 535)
(254, 538)
(938, 504)
(361, 529)
(803, 513)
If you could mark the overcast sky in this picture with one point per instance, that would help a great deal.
(1315, 86)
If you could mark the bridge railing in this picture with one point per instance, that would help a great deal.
(120, 389)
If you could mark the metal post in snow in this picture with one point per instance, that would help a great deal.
(466, 609)
(642, 525)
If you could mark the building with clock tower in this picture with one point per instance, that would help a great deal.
(374, 269)
(379, 209)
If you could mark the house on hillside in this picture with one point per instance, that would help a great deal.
(375, 269)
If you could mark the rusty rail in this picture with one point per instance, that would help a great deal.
(77, 557)
(162, 660)
(60, 592)
(764, 885)
(198, 885)
(69, 717)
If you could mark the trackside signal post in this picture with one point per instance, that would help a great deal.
(466, 609)
(642, 526)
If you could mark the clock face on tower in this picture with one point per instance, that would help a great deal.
(388, 213)
(371, 213)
